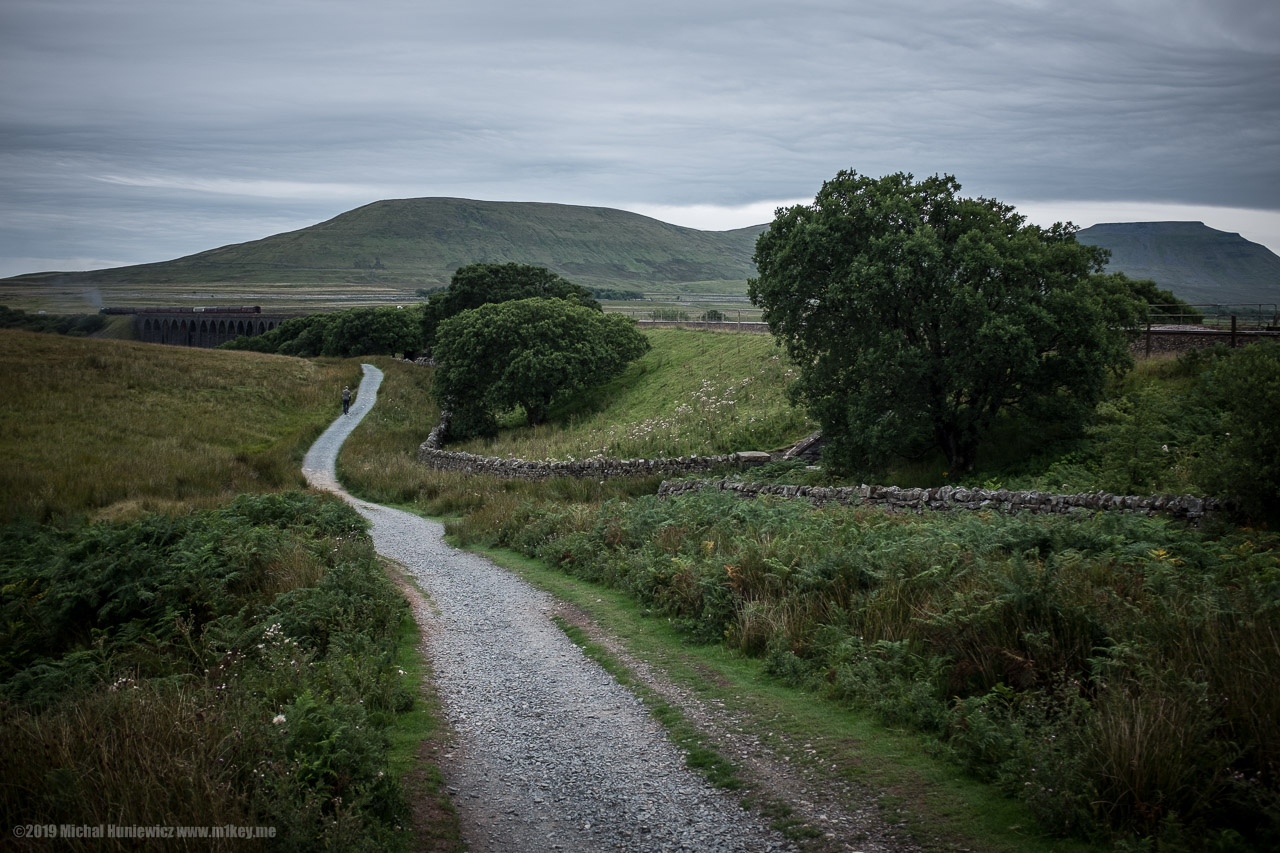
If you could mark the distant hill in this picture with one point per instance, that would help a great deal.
(420, 242)
(1198, 263)
(385, 250)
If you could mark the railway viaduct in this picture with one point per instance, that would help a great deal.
(199, 327)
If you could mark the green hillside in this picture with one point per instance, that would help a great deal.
(420, 242)
(1198, 263)
(383, 252)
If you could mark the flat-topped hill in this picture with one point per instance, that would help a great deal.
(1198, 263)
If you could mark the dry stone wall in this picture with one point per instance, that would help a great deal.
(598, 467)
(432, 453)
(1186, 507)
(1159, 341)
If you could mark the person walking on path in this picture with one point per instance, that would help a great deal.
(346, 399)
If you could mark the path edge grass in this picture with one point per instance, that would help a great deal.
(940, 808)
(418, 736)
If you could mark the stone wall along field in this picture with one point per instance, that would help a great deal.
(1187, 507)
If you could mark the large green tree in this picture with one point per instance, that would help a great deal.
(915, 316)
(527, 353)
(480, 284)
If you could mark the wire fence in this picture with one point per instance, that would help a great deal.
(1242, 316)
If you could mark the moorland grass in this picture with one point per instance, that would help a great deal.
(183, 660)
(116, 428)
(235, 666)
(830, 744)
(694, 392)
(1114, 673)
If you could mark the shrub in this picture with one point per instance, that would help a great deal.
(1241, 459)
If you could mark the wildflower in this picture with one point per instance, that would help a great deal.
(279, 718)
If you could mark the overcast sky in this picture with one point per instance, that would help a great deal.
(143, 130)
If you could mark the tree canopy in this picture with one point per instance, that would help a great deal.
(1162, 305)
(347, 333)
(480, 284)
(526, 353)
(915, 316)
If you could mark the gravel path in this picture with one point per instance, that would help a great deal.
(552, 754)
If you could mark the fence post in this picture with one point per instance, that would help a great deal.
(1233, 331)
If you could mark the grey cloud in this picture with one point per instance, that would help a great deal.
(660, 103)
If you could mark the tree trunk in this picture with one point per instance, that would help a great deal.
(961, 450)
(535, 413)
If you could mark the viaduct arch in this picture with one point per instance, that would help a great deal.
(208, 327)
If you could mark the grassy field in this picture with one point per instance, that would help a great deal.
(693, 392)
(174, 651)
(1121, 668)
(114, 428)
(312, 296)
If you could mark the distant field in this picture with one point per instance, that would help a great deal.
(326, 296)
(116, 428)
(272, 296)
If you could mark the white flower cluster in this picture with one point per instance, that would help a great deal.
(274, 642)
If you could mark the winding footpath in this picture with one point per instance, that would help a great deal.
(550, 752)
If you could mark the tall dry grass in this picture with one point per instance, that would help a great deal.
(116, 428)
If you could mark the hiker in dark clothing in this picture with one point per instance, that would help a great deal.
(346, 399)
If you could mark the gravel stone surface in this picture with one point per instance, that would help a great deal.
(551, 753)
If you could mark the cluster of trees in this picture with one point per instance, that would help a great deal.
(527, 353)
(502, 335)
(1238, 391)
(483, 284)
(343, 334)
(617, 294)
(76, 325)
